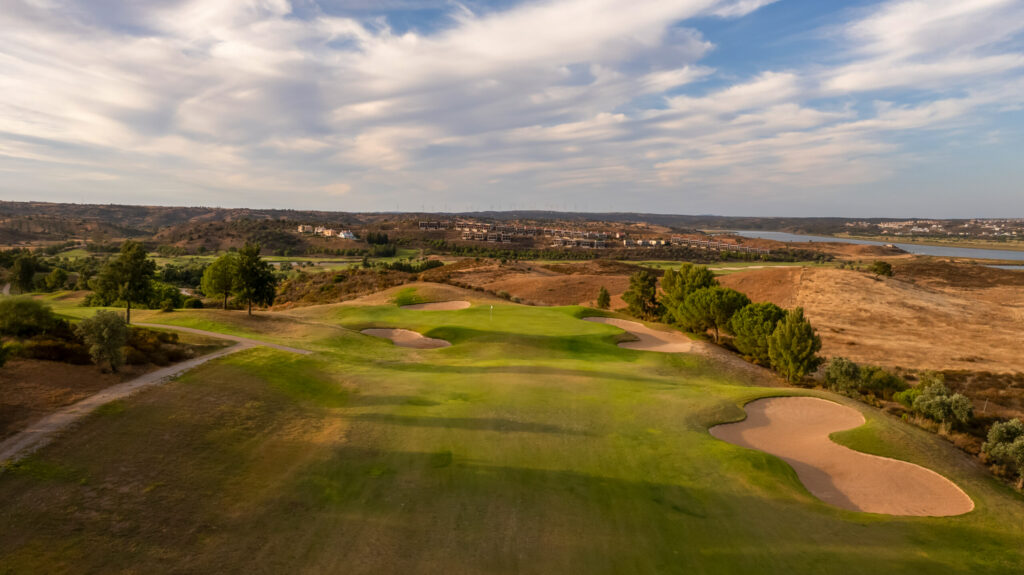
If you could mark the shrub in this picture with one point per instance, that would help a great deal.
(793, 347)
(753, 325)
(880, 268)
(604, 299)
(105, 333)
(880, 382)
(24, 316)
(935, 402)
(4, 353)
(192, 303)
(842, 375)
(48, 348)
(1006, 444)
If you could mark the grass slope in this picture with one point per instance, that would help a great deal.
(532, 445)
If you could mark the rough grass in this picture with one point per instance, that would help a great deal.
(532, 445)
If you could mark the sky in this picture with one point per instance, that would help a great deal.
(893, 108)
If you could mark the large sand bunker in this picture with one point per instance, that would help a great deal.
(797, 430)
(407, 338)
(648, 339)
(438, 306)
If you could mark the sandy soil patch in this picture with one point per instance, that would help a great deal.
(648, 339)
(797, 429)
(407, 338)
(439, 306)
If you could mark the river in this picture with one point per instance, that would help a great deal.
(941, 251)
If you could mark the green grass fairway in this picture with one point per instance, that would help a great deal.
(532, 445)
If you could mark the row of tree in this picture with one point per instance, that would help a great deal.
(763, 332)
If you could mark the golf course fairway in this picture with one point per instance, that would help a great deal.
(533, 444)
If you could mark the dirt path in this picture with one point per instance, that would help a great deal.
(7, 289)
(797, 430)
(41, 432)
(406, 338)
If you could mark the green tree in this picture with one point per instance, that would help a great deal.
(127, 277)
(56, 279)
(23, 316)
(679, 284)
(219, 277)
(842, 375)
(1006, 445)
(881, 268)
(23, 272)
(604, 299)
(753, 325)
(793, 347)
(256, 282)
(642, 296)
(936, 402)
(712, 308)
(105, 333)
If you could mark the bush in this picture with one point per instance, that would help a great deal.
(53, 349)
(842, 375)
(1006, 444)
(604, 299)
(24, 316)
(880, 382)
(4, 353)
(105, 333)
(192, 303)
(937, 403)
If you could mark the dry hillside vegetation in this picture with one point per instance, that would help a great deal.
(925, 324)
(554, 284)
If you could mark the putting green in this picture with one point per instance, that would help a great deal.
(533, 444)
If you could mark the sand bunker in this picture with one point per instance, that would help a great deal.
(796, 429)
(407, 338)
(648, 339)
(439, 306)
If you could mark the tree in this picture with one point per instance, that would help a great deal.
(23, 272)
(712, 308)
(753, 325)
(937, 403)
(793, 347)
(105, 334)
(842, 375)
(256, 283)
(128, 277)
(881, 268)
(679, 284)
(23, 316)
(1006, 444)
(604, 299)
(641, 296)
(56, 279)
(219, 277)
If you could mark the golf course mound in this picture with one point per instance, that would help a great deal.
(797, 429)
(648, 339)
(407, 338)
(438, 306)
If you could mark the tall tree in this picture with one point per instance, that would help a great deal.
(641, 296)
(23, 272)
(256, 283)
(793, 347)
(679, 284)
(105, 334)
(127, 277)
(604, 299)
(219, 277)
(752, 326)
(712, 308)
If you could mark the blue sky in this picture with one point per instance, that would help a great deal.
(739, 107)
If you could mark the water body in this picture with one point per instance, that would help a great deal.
(1016, 268)
(941, 251)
